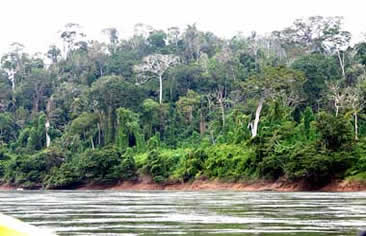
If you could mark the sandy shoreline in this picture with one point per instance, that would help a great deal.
(206, 185)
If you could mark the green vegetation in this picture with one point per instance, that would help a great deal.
(178, 106)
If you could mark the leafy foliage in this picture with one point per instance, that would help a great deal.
(182, 105)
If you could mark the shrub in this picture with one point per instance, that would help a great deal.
(156, 167)
(106, 166)
(102, 166)
(227, 161)
(30, 171)
(192, 165)
(316, 165)
(66, 176)
(127, 169)
(335, 132)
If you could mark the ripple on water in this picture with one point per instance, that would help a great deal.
(188, 213)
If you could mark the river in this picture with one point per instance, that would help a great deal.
(188, 213)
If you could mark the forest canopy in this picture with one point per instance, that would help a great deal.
(182, 104)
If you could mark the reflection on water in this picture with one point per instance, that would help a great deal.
(188, 213)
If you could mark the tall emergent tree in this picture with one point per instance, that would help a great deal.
(274, 83)
(155, 66)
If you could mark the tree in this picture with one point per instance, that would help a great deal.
(109, 93)
(5, 91)
(14, 63)
(35, 88)
(155, 66)
(218, 100)
(355, 101)
(129, 133)
(97, 53)
(192, 43)
(72, 37)
(157, 41)
(336, 95)
(182, 78)
(315, 34)
(85, 126)
(272, 83)
(318, 70)
(188, 104)
(361, 53)
(54, 54)
(334, 131)
(151, 117)
(8, 129)
(112, 34)
(173, 36)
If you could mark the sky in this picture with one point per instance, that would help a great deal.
(37, 23)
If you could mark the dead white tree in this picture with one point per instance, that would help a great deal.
(155, 66)
(356, 103)
(49, 109)
(336, 95)
(12, 63)
(340, 56)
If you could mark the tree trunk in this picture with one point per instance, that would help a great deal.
(257, 116)
(212, 137)
(48, 114)
(13, 85)
(48, 138)
(202, 125)
(220, 99)
(341, 63)
(11, 76)
(222, 113)
(101, 71)
(356, 126)
(190, 114)
(233, 73)
(161, 119)
(99, 134)
(36, 104)
(161, 89)
(92, 143)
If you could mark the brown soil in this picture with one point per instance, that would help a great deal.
(6, 187)
(146, 183)
(345, 186)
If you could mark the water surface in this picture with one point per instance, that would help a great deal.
(188, 213)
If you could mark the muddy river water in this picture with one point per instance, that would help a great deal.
(188, 213)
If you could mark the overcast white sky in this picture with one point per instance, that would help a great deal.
(35, 22)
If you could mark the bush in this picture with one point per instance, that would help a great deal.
(127, 169)
(67, 176)
(309, 163)
(4, 158)
(335, 132)
(106, 166)
(156, 166)
(227, 161)
(102, 166)
(359, 159)
(162, 164)
(31, 171)
(192, 165)
(316, 165)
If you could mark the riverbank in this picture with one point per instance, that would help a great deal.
(204, 185)
(207, 185)
(5, 187)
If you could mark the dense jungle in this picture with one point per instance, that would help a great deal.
(179, 105)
